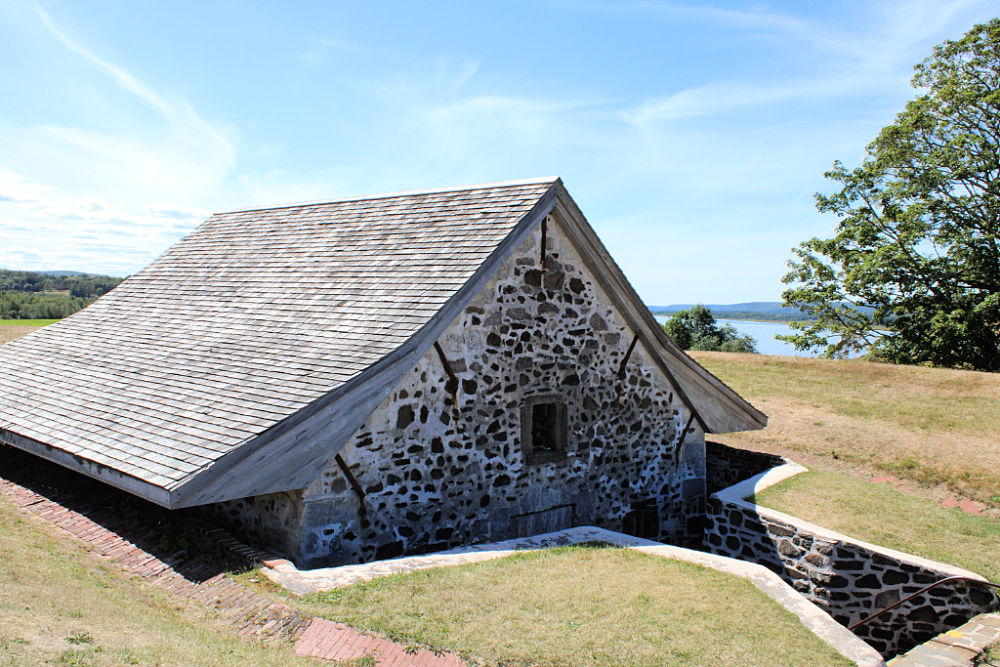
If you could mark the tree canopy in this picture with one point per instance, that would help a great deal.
(37, 295)
(912, 274)
(696, 329)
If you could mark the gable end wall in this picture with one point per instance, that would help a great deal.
(435, 477)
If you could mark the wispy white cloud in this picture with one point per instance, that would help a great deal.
(874, 55)
(179, 112)
(42, 229)
(97, 198)
(122, 77)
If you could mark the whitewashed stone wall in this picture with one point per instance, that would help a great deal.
(848, 579)
(437, 474)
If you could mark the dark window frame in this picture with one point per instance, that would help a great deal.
(556, 451)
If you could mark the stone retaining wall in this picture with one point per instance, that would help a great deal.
(847, 578)
(725, 465)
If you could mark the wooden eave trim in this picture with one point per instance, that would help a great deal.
(654, 339)
(364, 392)
(102, 473)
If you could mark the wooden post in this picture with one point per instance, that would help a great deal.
(451, 376)
(545, 227)
(680, 442)
(352, 480)
(621, 367)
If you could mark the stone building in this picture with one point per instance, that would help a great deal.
(360, 379)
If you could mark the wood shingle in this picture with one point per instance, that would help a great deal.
(252, 326)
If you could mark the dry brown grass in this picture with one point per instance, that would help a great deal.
(9, 332)
(931, 425)
(61, 605)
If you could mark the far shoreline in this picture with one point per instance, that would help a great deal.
(723, 316)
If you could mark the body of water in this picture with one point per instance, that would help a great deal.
(763, 333)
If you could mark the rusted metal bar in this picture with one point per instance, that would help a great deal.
(921, 591)
(451, 376)
(545, 229)
(351, 479)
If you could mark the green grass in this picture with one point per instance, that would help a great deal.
(882, 515)
(61, 605)
(930, 425)
(580, 606)
(990, 657)
(26, 323)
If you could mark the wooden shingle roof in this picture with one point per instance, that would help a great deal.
(219, 357)
(243, 323)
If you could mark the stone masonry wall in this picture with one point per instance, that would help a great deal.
(725, 465)
(847, 579)
(273, 521)
(438, 474)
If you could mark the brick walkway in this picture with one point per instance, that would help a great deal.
(253, 616)
(335, 641)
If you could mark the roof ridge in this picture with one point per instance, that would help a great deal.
(402, 193)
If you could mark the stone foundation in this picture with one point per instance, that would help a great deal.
(847, 578)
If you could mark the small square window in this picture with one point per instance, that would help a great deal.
(543, 429)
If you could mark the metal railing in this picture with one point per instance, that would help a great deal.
(923, 590)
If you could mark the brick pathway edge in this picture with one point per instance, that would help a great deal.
(253, 616)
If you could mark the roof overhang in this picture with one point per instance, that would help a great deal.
(133, 485)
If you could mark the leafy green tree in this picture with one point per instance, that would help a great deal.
(913, 272)
(696, 329)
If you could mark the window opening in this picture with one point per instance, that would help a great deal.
(543, 429)
(544, 426)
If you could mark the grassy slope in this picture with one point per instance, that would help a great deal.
(930, 425)
(580, 606)
(882, 515)
(60, 605)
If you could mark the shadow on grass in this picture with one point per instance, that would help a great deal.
(180, 538)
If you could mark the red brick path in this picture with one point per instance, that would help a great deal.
(253, 615)
(970, 506)
(334, 641)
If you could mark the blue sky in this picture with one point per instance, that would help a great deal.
(692, 135)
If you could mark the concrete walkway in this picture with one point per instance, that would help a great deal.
(252, 615)
(955, 648)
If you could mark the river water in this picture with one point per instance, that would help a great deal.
(763, 333)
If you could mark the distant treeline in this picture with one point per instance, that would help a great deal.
(81, 285)
(763, 316)
(33, 295)
(764, 311)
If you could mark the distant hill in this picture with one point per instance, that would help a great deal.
(751, 310)
(62, 274)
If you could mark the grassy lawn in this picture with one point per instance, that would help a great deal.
(26, 323)
(882, 515)
(580, 606)
(930, 425)
(61, 605)
(991, 657)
